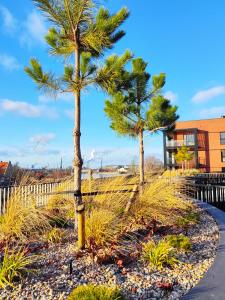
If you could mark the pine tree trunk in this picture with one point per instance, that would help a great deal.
(77, 151)
(80, 209)
(141, 160)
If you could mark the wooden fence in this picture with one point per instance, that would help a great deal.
(214, 194)
(39, 192)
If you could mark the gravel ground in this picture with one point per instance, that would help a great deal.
(52, 279)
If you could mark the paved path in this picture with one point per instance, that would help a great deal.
(212, 285)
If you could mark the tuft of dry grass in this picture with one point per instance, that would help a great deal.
(104, 220)
(103, 211)
(117, 200)
(61, 205)
(101, 226)
(22, 218)
(160, 201)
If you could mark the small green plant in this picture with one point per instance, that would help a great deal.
(159, 255)
(189, 219)
(57, 221)
(55, 235)
(179, 242)
(92, 292)
(193, 217)
(183, 223)
(14, 264)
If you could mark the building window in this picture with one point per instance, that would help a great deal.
(189, 139)
(223, 155)
(222, 138)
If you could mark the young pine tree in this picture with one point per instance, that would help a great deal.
(184, 156)
(79, 33)
(140, 108)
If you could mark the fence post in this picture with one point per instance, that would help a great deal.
(131, 199)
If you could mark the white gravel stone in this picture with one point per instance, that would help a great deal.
(53, 281)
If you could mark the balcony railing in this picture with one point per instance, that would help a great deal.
(179, 143)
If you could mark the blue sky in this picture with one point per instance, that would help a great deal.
(185, 39)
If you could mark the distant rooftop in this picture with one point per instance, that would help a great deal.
(3, 167)
(209, 119)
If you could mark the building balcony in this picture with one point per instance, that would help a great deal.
(179, 143)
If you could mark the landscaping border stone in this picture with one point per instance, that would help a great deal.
(212, 285)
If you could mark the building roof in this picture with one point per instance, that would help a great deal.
(3, 167)
(200, 120)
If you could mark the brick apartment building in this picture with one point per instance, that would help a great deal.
(205, 138)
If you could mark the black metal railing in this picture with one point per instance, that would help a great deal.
(208, 179)
(212, 194)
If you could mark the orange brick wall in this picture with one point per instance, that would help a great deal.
(212, 127)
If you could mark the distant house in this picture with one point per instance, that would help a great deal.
(122, 170)
(5, 168)
(5, 172)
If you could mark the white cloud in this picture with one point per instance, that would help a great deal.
(22, 108)
(39, 143)
(27, 156)
(69, 113)
(45, 99)
(61, 97)
(9, 22)
(29, 31)
(26, 109)
(8, 62)
(7, 152)
(216, 111)
(43, 139)
(34, 29)
(205, 95)
(171, 96)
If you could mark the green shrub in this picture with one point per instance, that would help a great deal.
(14, 265)
(179, 242)
(57, 221)
(55, 235)
(189, 219)
(183, 222)
(159, 255)
(92, 292)
(193, 217)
